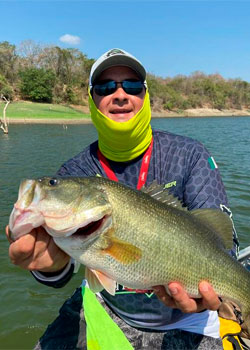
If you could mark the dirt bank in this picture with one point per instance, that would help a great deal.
(203, 112)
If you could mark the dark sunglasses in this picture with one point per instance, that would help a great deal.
(131, 87)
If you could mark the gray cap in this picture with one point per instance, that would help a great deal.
(116, 57)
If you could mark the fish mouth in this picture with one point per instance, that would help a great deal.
(90, 228)
(87, 233)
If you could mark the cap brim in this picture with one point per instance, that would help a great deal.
(119, 60)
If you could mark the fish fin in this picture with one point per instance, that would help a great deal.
(124, 252)
(167, 290)
(161, 194)
(219, 221)
(98, 281)
(93, 281)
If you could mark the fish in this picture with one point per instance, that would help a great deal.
(139, 239)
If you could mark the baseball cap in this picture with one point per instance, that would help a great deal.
(116, 57)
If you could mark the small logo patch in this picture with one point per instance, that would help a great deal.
(212, 163)
(124, 290)
(114, 52)
(170, 184)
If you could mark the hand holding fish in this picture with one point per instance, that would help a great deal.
(180, 299)
(37, 251)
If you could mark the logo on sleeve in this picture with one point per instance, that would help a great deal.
(212, 163)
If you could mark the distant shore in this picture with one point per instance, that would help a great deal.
(204, 112)
(26, 112)
(189, 113)
(49, 121)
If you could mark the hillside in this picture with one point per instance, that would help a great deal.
(52, 75)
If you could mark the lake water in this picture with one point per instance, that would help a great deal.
(27, 307)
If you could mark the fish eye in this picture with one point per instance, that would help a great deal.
(53, 182)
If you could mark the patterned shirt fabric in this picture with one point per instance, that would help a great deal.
(188, 170)
(179, 162)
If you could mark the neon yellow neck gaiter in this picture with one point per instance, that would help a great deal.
(125, 141)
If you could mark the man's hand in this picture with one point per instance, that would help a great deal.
(37, 251)
(179, 299)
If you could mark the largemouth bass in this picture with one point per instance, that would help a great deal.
(127, 236)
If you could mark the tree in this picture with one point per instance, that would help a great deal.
(71, 68)
(5, 89)
(8, 59)
(37, 84)
(29, 52)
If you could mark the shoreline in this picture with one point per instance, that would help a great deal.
(48, 121)
(204, 112)
(189, 113)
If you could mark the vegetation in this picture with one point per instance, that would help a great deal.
(37, 84)
(51, 74)
(199, 90)
(28, 110)
(43, 73)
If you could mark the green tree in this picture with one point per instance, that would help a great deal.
(37, 84)
(5, 89)
(8, 59)
(71, 68)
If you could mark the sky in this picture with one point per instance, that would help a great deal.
(168, 37)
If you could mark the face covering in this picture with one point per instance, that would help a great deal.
(124, 141)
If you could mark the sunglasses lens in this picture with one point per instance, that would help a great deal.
(131, 87)
(105, 89)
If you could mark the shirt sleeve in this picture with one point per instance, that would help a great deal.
(57, 280)
(72, 168)
(83, 164)
(204, 187)
(203, 184)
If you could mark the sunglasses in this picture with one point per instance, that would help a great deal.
(131, 87)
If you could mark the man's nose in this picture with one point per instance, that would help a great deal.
(120, 94)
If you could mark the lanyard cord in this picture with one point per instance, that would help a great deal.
(143, 171)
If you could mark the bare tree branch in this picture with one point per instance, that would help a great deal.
(3, 122)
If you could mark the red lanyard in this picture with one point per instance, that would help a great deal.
(143, 171)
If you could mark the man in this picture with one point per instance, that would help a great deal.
(129, 151)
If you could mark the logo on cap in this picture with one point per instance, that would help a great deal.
(115, 52)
